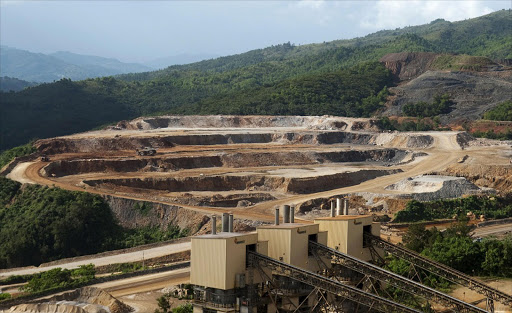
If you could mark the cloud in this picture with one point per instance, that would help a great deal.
(393, 14)
(5, 3)
(311, 4)
(317, 11)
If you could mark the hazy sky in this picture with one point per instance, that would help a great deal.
(137, 31)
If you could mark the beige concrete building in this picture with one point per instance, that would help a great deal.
(345, 233)
(289, 242)
(219, 261)
(218, 268)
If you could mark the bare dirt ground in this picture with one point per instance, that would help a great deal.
(504, 285)
(146, 283)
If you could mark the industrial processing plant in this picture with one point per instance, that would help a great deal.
(331, 265)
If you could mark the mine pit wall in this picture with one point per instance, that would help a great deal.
(251, 183)
(340, 180)
(234, 160)
(73, 167)
(130, 215)
(109, 144)
(250, 121)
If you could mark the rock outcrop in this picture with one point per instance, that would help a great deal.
(407, 65)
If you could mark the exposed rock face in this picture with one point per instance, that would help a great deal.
(249, 121)
(129, 214)
(301, 185)
(83, 300)
(233, 160)
(498, 177)
(472, 93)
(95, 145)
(407, 65)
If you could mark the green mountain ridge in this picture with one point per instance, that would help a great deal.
(491, 36)
(260, 81)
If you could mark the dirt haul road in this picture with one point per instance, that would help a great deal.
(444, 151)
(127, 257)
(146, 283)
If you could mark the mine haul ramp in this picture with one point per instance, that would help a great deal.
(443, 271)
(391, 278)
(323, 283)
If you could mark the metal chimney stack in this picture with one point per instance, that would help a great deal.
(346, 207)
(286, 214)
(292, 214)
(225, 222)
(277, 216)
(230, 224)
(214, 225)
(333, 209)
(339, 211)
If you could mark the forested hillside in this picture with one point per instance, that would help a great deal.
(40, 224)
(339, 77)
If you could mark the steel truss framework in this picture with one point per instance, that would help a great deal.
(322, 284)
(443, 271)
(380, 274)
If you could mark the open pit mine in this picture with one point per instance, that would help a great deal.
(328, 175)
(192, 166)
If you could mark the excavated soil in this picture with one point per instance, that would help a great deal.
(83, 300)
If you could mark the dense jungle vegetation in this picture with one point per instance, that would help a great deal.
(490, 206)
(306, 78)
(40, 224)
(456, 248)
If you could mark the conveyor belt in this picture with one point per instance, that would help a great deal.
(441, 270)
(396, 280)
(326, 284)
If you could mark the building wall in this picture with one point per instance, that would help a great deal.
(336, 233)
(279, 242)
(215, 261)
(208, 263)
(236, 257)
(355, 239)
(345, 234)
(299, 247)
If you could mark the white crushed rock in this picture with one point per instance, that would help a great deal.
(433, 187)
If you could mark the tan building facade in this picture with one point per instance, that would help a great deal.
(345, 233)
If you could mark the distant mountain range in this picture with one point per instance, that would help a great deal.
(13, 84)
(42, 68)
